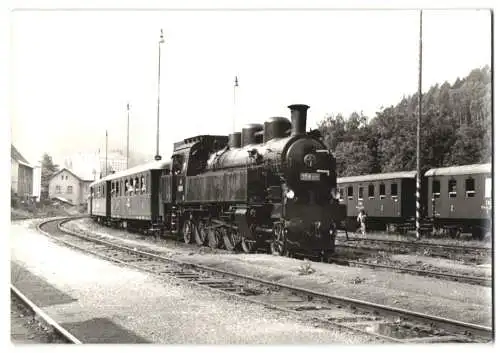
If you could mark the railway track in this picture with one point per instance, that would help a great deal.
(402, 246)
(57, 329)
(380, 322)
(484, 281)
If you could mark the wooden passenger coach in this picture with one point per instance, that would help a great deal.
(459, 198)
(100, 203)
(386, 198)
(133, 195)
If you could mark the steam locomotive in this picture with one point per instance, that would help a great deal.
(271, 185)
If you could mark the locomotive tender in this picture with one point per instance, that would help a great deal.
(268, 185)
(454, 199)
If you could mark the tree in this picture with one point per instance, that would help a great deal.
(48, 169)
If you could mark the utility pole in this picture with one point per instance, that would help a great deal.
(106, 160)
(128, 131)
(234, 103)
(419, 118)
(158, 157)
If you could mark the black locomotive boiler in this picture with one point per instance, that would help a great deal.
(269, 185)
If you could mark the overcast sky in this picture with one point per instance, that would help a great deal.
(72, 73)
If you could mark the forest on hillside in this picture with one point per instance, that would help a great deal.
(456, 129)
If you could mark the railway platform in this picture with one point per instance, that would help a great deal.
(100, 302)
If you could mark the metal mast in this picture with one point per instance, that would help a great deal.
(106, 160)
(128, 131)
(234, 102)
(419, 118)
(160, 42)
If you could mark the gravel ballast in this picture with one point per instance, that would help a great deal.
(100, 302)
(458, 301)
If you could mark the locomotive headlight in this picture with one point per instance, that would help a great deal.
(290, 194)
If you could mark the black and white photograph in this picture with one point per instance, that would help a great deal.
(210, 175)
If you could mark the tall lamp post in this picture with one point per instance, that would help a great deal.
(158, 157)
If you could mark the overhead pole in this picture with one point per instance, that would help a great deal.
(128, 131)
(419, 118)
(157, 156)
(106, 159)
(234, 102)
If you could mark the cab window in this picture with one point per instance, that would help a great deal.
(350, 192)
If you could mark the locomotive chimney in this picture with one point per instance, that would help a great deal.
(299, 118)
(235, 140)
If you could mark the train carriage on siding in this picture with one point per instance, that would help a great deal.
(459, 199)
(387, 198)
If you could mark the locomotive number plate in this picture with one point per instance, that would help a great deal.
(309, 176)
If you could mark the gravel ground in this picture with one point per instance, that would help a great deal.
(458, 301)
(465, 241)
(101, 302)
(25, 329)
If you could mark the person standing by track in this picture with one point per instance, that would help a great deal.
(362, 221)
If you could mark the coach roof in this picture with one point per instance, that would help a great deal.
(156, 165)
(461, 170)
(376, 177)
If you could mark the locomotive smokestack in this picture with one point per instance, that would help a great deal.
(235, 140)
(299, 118)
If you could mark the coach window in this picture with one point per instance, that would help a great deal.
(143, 185)
(436, 189)
(452, 188)
(131, 186)
(137, 189)
(148, 184)
(470, 189)
(126, 187)
(371, 191)
(360, 192)
(394, 190)
(381, 191)
(341, 194)
(350, 192)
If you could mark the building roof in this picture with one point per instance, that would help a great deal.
(72, 173)
(16, 155)
(461, 170)
(376, 177)
(62, 199)
(156, 165)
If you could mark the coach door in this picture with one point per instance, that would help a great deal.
(436, 199)
(395, 198)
